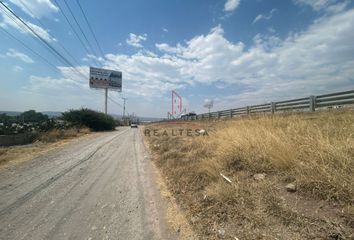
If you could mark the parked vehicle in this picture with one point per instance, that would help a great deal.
(188, 115)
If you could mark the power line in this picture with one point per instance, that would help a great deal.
(72, 28)
(29, 48)
(42, 41)
(112, 100)
(48, 45)
(81, 30)
(45, 27)
(117, 103)
(23, 29)
(16, 21)
(91, 30)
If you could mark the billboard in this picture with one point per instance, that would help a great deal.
(104, 78)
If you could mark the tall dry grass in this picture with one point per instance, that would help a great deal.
(314, 151)
(58, 134)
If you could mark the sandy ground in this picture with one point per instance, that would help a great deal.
(100, 187)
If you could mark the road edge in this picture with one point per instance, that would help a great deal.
(169, 211)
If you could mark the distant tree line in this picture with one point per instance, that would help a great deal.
(30, 116)
(32, 121)
(28, 121)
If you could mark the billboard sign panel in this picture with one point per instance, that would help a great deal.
(104, 78)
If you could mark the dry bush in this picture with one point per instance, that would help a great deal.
(3, 156)
(2, 151)
(57, 134)
(314, 150)
(317, 152)
(84, 130)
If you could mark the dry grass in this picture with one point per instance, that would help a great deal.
(47, 141)
(317, 152)
(314, 151)
(57, 134)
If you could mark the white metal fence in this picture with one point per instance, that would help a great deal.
(310, 104)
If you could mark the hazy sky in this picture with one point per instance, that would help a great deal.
(236, 52)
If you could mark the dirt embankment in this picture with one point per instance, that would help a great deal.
(282, 177)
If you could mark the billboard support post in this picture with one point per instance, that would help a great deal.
(105, 100)
(105, 79)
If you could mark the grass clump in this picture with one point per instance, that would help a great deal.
(318, 152)
(59, 134)
(315, 151)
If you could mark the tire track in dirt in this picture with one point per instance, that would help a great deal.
(9, 208)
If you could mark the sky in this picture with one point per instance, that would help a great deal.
(233, 52)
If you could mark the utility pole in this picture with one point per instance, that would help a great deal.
(124, 99)
(209, 104)
(105, 100)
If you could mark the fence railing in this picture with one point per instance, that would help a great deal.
(310, 104)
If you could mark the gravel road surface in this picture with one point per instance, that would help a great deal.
(101, 187)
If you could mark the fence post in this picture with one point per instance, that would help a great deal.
(248, 110)
(219, 114)
(312, 103)
(272, 107)
(230, 113)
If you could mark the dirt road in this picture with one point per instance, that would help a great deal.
(98, 188)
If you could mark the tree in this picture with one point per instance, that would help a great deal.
(32, 116)
(4, 118)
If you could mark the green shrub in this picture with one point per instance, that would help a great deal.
(84, 117)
